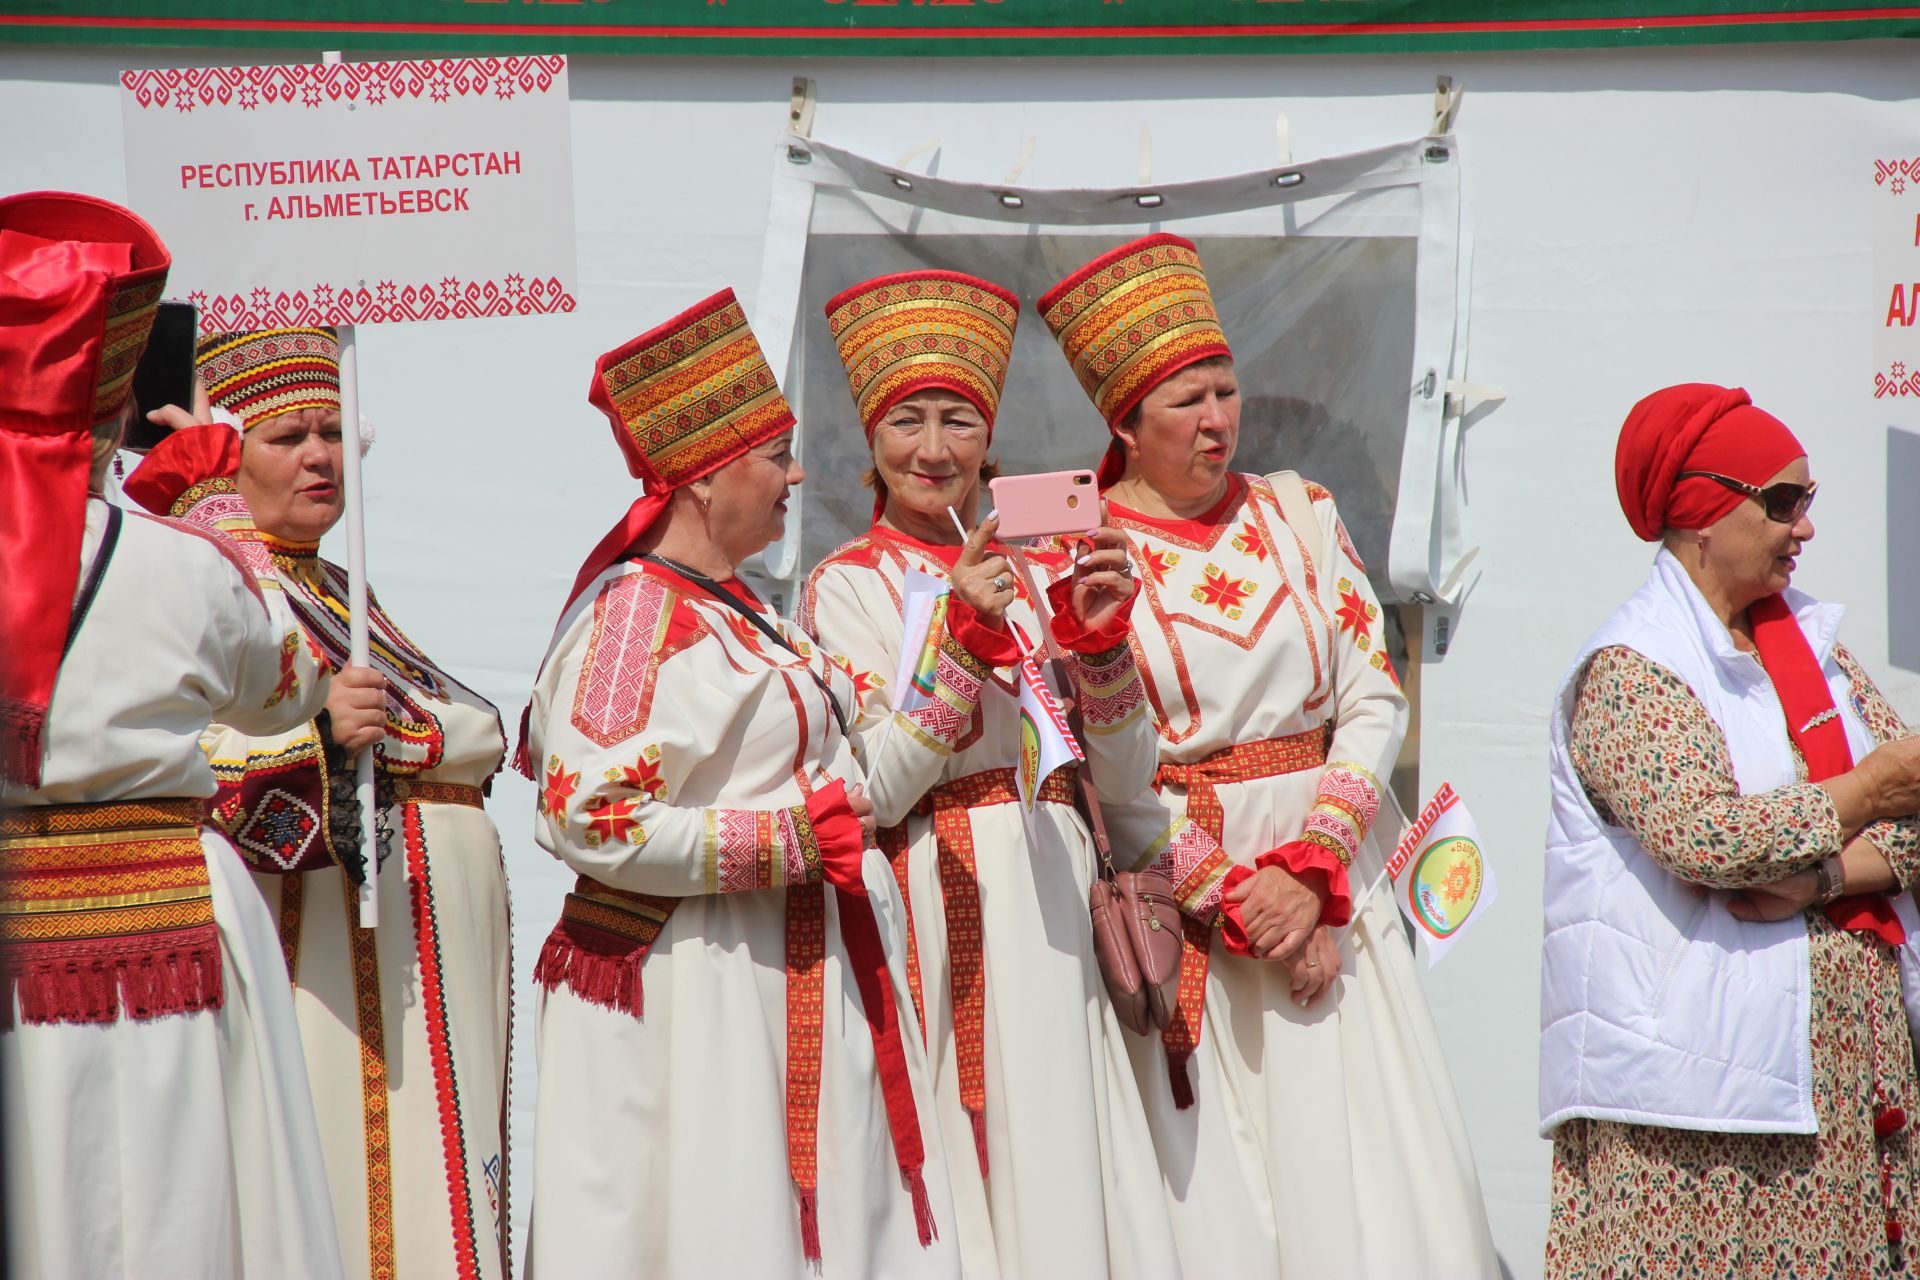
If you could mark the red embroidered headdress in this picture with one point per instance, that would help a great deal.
(1129, 320)
(258, 374)
(80, 280)
(922, 330)
(685, 399)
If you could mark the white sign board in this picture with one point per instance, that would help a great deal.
(358, 192)
(1896, 281)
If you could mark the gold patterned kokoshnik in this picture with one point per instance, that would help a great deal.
(1133, 317)
(105, 909)
(690, 395)
(258, 374)
(924, 330)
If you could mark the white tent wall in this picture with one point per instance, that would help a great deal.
(1639, 219)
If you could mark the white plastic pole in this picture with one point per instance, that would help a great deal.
(369, 895)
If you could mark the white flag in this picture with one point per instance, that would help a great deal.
(1046, 742)
(923, 613)
(1441, 879)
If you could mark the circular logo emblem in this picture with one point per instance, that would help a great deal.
(1446, 885)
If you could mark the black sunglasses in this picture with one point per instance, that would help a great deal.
(1784, 503)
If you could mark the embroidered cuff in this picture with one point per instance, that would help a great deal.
(1343, 810)
(1195, 865)
(1111, 692)
(1073, 635)
(946, 712)
(838, 844)
(989, 643)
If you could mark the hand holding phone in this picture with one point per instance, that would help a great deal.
(1052, 502)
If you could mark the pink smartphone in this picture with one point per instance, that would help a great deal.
(1051, 502)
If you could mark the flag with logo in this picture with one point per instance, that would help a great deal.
(1046, 742)
(923, 613)
(1441, 877)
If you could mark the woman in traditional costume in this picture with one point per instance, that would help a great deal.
(157, 1115)
(758, 1114)
(1300, 1105)
(1038, 1108)
(405, 1026)
(1726, 1067)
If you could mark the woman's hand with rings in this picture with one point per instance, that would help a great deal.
(1103, 579)
(1315, 968)
(985, 581)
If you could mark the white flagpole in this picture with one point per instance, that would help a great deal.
(360, 655)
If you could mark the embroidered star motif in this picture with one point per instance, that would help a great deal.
(643, 775)
(1355, 613)
(1156, 563)
(1223, 591)
(864, 682)
(1249, 542)
(559, 789)
(743, 631)
(1382, 664)
(612, 821)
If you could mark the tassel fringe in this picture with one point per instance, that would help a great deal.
(1178, 1083)
(922, 1207)
(100, 989)
(23, 730)
(611, 981)
(522, 760)
(810, 1228)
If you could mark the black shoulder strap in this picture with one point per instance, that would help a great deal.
(740, 607)
(95, 571)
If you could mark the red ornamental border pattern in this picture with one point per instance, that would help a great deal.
(1897, 175)
(1898, 379)
(189, 89)
(384, 303)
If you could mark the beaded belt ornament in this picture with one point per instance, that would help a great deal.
(106, 909)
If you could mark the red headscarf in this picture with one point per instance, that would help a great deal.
(1695, 426)
(79, 282)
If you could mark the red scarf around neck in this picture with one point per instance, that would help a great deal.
(1816, 728)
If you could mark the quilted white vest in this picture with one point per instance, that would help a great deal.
(1656, 1005)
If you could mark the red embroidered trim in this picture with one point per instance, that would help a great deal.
(378, 1132)
(366, 83)
(806, 994)
(292, 912)
(446, 1087)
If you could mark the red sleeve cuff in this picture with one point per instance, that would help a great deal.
(989, 642)
(1071, 634)
(1233, 930)
(837, 832)
(1306, 860)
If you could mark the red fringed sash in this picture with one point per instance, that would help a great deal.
(960, 892)
(1814, 724)
(1244, 762)
(105, 909)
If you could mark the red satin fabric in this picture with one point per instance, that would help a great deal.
(53, 301)
(1805, 697)
(1695, 426)
(182, 460)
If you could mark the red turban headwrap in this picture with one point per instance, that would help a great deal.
(1695, 426)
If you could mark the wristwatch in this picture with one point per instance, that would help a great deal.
(1831, 877)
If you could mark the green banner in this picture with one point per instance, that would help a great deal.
(943, 27)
